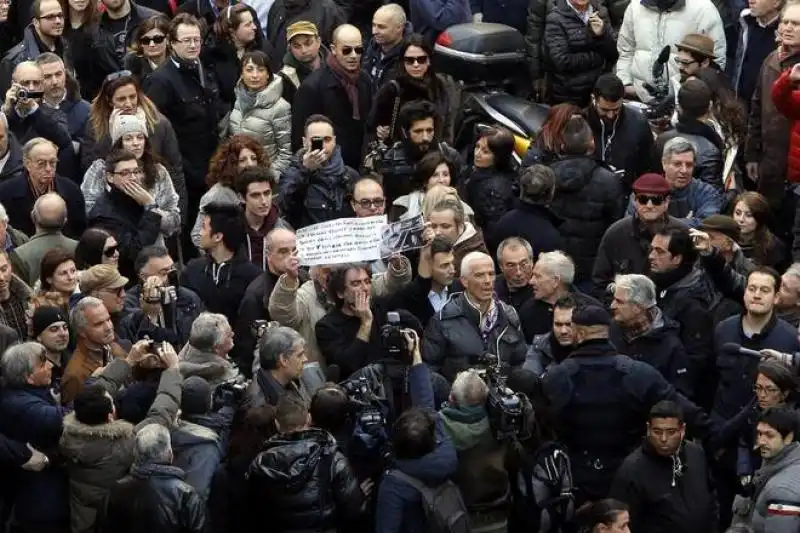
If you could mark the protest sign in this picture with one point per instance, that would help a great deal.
(343, 240)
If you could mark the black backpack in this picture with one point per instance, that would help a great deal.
(444, 507)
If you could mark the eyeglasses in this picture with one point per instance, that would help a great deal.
(52, 16)
(366, 203)
(643, 199)
(117, 75)
(186, 41)
(410, 60)
(347, 50)
(158, 39)
(41, 165)
(111, 250)
(683, 62)
(128, 173)
(758, 389)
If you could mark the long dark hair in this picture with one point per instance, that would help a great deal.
(592, 514)
(501, 143)
(763, 239)
(430, 80)
(728, 109)
(89, 251)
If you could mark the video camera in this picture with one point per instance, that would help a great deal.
(507, 410)
(366, 406)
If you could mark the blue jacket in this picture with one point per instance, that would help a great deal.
(698, 198)
(431, 17)
(31, 415)
(399, 507)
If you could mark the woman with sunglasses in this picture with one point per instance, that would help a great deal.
(149, 47)
(753, 215)
(96, 247)
(129, 133)
(121, 92)
(235, 33)
(414, 79)
(260, 110)
(233, 156)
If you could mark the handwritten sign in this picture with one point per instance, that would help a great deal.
(343, 240)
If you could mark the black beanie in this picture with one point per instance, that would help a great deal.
(195, 396)
(46, 316)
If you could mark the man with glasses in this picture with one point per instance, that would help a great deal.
(513, 286)
(186, 92)
(19, 194)
(340, 90)
(625, 244)
(126, 209)
(49, 216)
(44, 34)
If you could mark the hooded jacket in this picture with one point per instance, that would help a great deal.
(650, 25)
(667, 494)
(588, 198)
(290, 472)
(199, 443)
(267, 117)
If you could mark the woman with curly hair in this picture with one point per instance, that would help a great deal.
(149, 47)
(753, 215)
(121, 92)
(549, 144)
(234, 155)
(129, 133)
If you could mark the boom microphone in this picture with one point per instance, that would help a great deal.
(732, 347)
(661, 61)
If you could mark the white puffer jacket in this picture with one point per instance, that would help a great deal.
(646, 30)
(268, 119)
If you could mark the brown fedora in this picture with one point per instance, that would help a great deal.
(699, 44)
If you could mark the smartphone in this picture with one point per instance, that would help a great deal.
(316, 143)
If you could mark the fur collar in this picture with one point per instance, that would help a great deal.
(116, 430)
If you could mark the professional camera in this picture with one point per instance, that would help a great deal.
(228, 394)
(259, 328)
(392, 338)
(366, 405)
(507, 410)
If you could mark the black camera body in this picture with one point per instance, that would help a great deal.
(365, 406)
(392, 337)
(228, 394)
(508, 410)
(23, 94)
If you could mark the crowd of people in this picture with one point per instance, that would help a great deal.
(598, 337)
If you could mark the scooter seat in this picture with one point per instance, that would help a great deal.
(529, 116)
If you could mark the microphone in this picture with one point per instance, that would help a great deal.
(732, 347)
(333, 373)
(662, 59)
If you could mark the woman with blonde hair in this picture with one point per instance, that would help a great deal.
(439, 193)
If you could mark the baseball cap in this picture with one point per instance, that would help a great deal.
(301, 27)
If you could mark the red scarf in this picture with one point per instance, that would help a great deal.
(349, 81)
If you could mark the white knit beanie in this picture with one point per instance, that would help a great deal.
(122, 124)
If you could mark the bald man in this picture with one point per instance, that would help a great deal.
(49, 215)
(473, 324)
(385, 48)
(339, 90)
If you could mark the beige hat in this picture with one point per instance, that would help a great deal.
(301, 27)
(699, 44)
(101, 277)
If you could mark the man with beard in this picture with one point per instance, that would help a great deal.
(418, 122)
(304, 56)
(666, 482)
(554, 346)
(50, 328)
(695, 51)
(622, 136)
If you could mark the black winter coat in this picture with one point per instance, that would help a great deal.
(575, 55)
(17, 197)
(491, 194)
(397, 168)
(154, 498)
(662, 502)
(322, 93)
(535, 223)
(589, 199)
(625, 144)
(454, 343)
(290, 472)
(222, 59)
(28, 50)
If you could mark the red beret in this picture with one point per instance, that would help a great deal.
(651, 184)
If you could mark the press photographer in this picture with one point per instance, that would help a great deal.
(206, 354)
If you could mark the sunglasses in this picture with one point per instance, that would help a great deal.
(158, 39)
(655, 200)
(111, 250)
(347, 50)
(117, 75)
(411, 60)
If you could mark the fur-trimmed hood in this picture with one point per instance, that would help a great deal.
(90, 444)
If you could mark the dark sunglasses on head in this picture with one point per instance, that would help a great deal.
(111, 250)
(158, 39)
(410, 60)
(117, 75)
(655, 200)
(347, 50)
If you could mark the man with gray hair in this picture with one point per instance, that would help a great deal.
(689, 199)
(515, 257)
(154, 496)
(532, 220)
(473, 324)
(206, 353)
(10, 238)
(641, 331)
(49, 217)
(281, 356)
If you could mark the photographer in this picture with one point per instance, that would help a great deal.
(158, 306)
(281, 356)
(206, 353)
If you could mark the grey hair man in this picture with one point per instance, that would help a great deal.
(641, 331)
(206, 354)
(788, 305)
(281, 356)
(49, 216)
(689, 199)
(515, 257)
(552, 276)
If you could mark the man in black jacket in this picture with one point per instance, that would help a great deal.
(281, 356)
(154, 496)
(622, 135)
(340, 91)
(667, 482)
(579, 46)
(513, 286)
